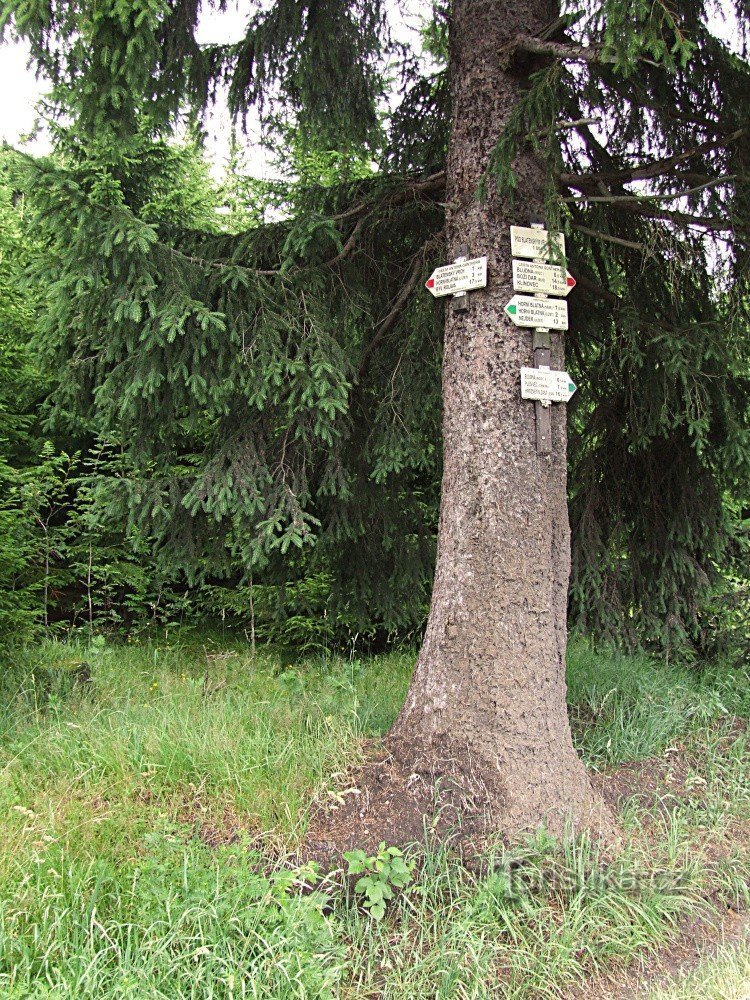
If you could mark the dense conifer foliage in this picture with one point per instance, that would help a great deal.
(271, 393)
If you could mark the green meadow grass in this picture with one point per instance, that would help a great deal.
(108, 888)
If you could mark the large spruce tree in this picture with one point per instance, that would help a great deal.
(278, 387)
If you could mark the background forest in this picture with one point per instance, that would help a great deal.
(98, 534)
(198, 423)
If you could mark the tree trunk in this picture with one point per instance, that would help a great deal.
(491, 673)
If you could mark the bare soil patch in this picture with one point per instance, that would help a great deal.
(657, 782)
(405, 789)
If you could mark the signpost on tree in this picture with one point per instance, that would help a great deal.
(545, 384)
(543, 315)
(538, 277)
(524, 310)
(536, 242)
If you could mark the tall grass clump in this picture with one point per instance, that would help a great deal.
(629, 707)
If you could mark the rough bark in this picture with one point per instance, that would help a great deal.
(491, 673)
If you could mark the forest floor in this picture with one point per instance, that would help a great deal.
(154, 795)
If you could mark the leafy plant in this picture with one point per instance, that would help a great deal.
(383, 872)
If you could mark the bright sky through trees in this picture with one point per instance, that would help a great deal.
(18, 115)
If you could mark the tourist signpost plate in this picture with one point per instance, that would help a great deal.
(525, 310)
(466, 276)
(526, 241)
(549, 279)
(544, 384)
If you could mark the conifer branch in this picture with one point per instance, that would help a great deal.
(398, 304)
(433, 184)
(218, 264)
(646, 198)
(350, 243)
(587, 284)
(648, 171)
(564, 126)
(607, 237)
(713, 223)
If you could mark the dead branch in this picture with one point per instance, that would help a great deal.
(646, 198)
(566, 51)
(394, 313)
(598, 235)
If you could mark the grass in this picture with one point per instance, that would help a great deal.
(630, 707)
(148, 813)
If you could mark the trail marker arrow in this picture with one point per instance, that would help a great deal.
(545, 384)
(525, 310)
(466, 276)
(526, 241)
(548, 279)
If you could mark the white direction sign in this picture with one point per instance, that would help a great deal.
(549, 279)
(525, 310)
(464, 277)
(528, 242)
(542, 383)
